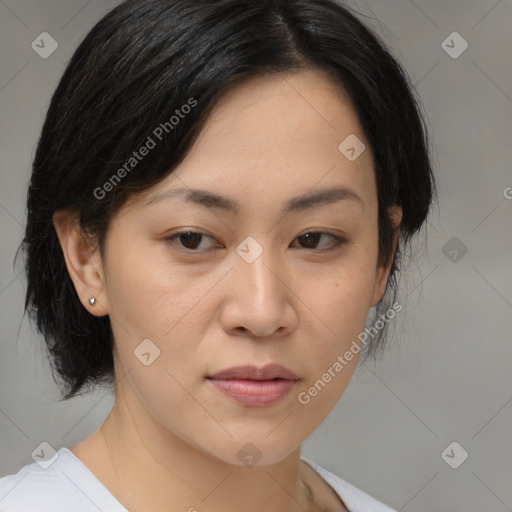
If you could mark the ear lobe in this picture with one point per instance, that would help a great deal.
(82, 261)
(395, 213)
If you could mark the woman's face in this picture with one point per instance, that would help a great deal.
(248, 288)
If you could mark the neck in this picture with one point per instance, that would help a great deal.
(162, 471)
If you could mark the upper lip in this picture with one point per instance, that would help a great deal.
(267, 372)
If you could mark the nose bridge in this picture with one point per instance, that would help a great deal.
(258, 300)
(258, 271)
(259, 297)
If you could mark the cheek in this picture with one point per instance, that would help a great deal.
(332, 348)
(146, 296)
(165, 399)
(341, 297)
(340, 302)
(150, 300)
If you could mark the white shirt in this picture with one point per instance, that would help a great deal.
(67, 484)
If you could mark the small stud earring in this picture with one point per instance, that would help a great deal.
(92, 301)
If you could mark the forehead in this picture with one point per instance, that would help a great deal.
(275, 136)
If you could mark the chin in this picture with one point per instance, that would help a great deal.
(252, 451)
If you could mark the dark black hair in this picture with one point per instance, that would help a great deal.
(135, 70)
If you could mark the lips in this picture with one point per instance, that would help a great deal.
(255, 387)
(268, 372)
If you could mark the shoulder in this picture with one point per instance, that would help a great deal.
(57, 484)
(45, 486)
(355, 499)
(32, 488)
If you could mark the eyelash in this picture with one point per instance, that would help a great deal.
(338, 241)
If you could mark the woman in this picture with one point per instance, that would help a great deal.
(220, 196)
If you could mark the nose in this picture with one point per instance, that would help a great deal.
(259, 300)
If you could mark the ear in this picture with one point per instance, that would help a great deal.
(395, 213)
(82, 261)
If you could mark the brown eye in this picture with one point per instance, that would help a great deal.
(311, 239)
(188, 240)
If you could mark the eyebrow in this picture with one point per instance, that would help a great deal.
(299, 203)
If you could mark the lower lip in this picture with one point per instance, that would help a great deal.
(254, 393)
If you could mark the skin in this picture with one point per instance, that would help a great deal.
(267, 140)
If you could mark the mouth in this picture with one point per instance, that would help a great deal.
(255, 387)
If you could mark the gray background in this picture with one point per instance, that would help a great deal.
(446, 373)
